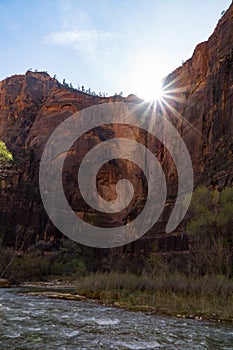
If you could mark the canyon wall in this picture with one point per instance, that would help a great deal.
(198, 101)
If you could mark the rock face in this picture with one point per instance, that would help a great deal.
(198, 102)
(204, 105)
(4, 283)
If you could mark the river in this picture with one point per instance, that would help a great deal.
(36, 322)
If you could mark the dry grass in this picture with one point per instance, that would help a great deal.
(176, 283)
(208, 297)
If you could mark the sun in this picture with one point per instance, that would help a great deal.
(153, 90)
(146, 78)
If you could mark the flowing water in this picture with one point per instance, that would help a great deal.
(34, 322)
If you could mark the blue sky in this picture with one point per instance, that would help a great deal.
(110, 46)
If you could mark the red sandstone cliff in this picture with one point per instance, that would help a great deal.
(205, 101)
(34, 104)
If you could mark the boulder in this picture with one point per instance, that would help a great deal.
(4, 283)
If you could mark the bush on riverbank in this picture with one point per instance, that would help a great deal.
(211, 232)
(38, 265)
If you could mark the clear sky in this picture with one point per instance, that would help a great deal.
(108, 45)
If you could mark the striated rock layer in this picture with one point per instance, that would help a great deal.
(198, 102)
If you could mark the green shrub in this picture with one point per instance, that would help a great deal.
(5, 155)
(211, 231)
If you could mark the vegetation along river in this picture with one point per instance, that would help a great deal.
(36, 322)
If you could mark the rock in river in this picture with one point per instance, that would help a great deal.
(4, 283)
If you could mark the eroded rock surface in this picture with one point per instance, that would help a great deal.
(198, 102)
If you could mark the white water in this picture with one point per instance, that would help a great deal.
(29, 322)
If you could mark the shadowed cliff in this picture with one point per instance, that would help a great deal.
(198, 102)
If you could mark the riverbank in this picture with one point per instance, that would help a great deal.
(200, 299)
(183, 308)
